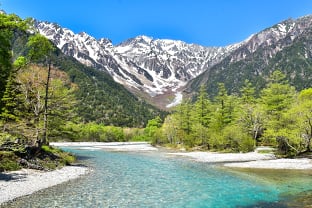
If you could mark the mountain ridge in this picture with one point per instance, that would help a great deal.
(152, 67)
(160, 69)
(256, 59)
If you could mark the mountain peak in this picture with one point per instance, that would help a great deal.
(144, 38)
(141, 39)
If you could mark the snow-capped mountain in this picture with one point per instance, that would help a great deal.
(160, 67)
(142, 63)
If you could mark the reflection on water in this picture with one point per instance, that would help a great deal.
(157, 180)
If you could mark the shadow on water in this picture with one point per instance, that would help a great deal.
(301, 200)
(83, 158)
(266, 205)
(296, 186)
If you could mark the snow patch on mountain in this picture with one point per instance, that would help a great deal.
(177, 100)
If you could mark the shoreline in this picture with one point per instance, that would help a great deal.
(252, 160)
(111, 146)
(15, 184)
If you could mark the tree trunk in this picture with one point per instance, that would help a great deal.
(45, 116)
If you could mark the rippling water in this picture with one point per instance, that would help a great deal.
(158, 180)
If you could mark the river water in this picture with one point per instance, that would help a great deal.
(155, 179)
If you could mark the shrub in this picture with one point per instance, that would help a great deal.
(8, 161)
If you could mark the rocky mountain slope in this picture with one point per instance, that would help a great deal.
(142, 64)
(286, 46)
(158, 69)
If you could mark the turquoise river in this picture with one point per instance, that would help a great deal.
(156, 179)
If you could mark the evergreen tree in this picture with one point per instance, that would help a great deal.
(276, 99)
(248, 93)
(201, 116)
(202, 108)
(250, 116)
(184, 123)
(223, 114)
(8, 24)
(11, 102)
(278, 95)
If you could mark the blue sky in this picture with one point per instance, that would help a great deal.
(204, 22)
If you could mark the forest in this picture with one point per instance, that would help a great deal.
(279, 117)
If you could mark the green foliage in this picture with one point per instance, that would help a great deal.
(224, 108)
(8, 161)
(305, 95)
(20, 62)
(279, 118)
(8, 24)
(278, 95)
(202, 110)
(237, 139)
(39, 47)
(152, 126)
(64, 158)
(112, 133)
(96, 133)
(247, 92)
(102, 100)
(277, 99)
(62, 105)
(11, 101)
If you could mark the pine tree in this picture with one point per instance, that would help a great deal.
(250, 116)
(202, 108)
(8, 23)
(278, 95)
(201, 116)
(223, 114)
(184, 123)
(248, 93)
(11, 101)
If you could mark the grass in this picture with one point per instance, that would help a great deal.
(64, 158)
(265, 151)
(48, 158)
